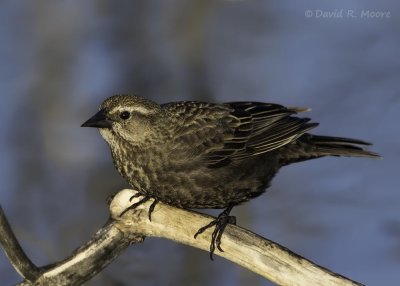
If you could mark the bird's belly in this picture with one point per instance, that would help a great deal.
(192, 185)
(203, 189)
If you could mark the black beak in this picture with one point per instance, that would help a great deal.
(99, 120)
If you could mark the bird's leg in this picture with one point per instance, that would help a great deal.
(220, 224)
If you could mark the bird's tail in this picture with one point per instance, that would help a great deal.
(314, 146)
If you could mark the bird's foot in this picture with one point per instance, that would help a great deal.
(220, 224)
(143, 200)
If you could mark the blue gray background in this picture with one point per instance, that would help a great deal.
(60, 59)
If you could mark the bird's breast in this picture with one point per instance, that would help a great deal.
(141, 166)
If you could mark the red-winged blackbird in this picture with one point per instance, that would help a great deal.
(194, 154)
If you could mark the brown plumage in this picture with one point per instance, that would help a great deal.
(203, 155)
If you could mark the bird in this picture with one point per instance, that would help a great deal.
(203, 155)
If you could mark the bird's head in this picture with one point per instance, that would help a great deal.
(126, 117)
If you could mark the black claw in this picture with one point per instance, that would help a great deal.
(135, 196)
(219, 235)
(220, 224)
(135, 205)
(212, 248)
(202, 229)
(151, 208)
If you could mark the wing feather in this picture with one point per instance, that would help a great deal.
(224, 133)
(258, 128)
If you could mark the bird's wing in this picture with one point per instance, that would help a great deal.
(197, 128)
(238, 130)
(258, 128)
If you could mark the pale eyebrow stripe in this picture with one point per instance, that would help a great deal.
(138, 109)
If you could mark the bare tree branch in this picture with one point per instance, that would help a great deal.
(87, 261)
(243, 247)
(260, 255)
(14, 251)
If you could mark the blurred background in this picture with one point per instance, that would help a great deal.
(60, 59)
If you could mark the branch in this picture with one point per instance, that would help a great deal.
(243, 247)
(84, 263)
(260, 255)
(14, 251)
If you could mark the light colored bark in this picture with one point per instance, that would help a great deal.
(241, 246)
(260, 255)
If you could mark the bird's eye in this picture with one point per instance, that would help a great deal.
(124, 115)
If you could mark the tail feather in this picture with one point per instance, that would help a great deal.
(310, 146)
(336, 140)
(338, 146)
